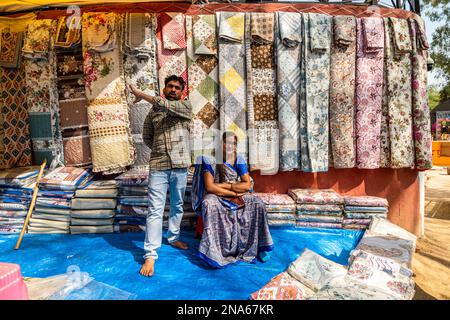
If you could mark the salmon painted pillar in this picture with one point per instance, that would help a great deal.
(399, 186)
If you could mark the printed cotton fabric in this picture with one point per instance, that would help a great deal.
(105, 90)
(10, 48)
(232, 76)
(369, 90)
(64, 178)
(288, 45)
(275, 198)
(14, 114)
(315, 271)
(139, 46)
(171, 43)
(203, 73)
(420, 109)
(315, 196)
(398, 48)
(366, 201)
(42, 93)
(68, 32)
(262, 109)
(283, 287)
(342, 92)
(325, 225)
(314, 93)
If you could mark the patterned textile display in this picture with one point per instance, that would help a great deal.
(365, 209)
(369, 89)
(398, 48)
(345, 289)
(171, 43)
(92, 214)
(261, 82)
(319, 208)
(385, 227)
(107, 107)
(315, 196)
(315, 271)
(91, 229)
(133, 200)
(281, 216)
(73, 113)
(283, 287)
(282, 223)
(68, 32)
(364, 215)
(329, 225)
(13, 103)
(365, 201)
(275, 198)
(64, 178)
(42, 93)
(139, 46)
(133, 177)
(232, 81)
(91, 221)
(342, 92)
(19, 176)
(314, 93)
(386, 265)
(53, 203)
(93, 203)
(288, 45)
(203, 73)
(10, 48)
(77, 148)
(132, 210)
(421, 111)
(286, 208)
(320, 218)
(362, 221)
(388, 246)
(363, 271)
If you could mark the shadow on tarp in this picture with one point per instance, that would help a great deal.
(114, 260)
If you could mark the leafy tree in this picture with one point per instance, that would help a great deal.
(433, 97)
(439, 11)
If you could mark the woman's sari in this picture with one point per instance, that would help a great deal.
(235, 229)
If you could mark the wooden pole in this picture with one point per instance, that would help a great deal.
(33, 202)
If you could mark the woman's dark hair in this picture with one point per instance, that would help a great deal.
(175, 78)
(228, 134)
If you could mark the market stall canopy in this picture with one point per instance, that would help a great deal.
(20, 5)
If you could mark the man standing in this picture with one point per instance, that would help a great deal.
(166, 133)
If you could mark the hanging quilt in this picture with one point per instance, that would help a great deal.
(171, 43)
(10, 48)
(105, 90)
(14, 114)
(398, 48)
(314, 92)
(421, 111)
(77, 149)
(288, 44)
(68, 32)
(203, 84)
(261, 76)
(342, 92)
(369, 89)
(233, 107)
(42, 92)
(139, 46)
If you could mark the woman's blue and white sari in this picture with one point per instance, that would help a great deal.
(235, 229)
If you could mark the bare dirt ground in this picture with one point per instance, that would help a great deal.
(431, 263)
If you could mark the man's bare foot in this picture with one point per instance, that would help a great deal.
(148, 267)
(180, 245)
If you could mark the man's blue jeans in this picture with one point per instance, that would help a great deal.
(158, 182)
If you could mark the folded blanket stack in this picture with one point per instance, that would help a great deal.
(16, 190)
(93, 208)
(132, 200)
(280, 208)
(318, 208)
(132, 207)
(359, 211)
(53, 205)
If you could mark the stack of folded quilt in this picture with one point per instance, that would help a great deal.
(318, 208)
(132, 200)
(280, 208)
(359, 211)
(53, 205)
(93, 207)
(16, 190)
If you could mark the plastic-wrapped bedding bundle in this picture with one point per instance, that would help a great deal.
(318, 208)
(16, 189)
(280, 208)
(359, 211)
(93, 208)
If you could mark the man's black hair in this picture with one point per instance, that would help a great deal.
(175, 78)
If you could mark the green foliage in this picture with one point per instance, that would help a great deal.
(433, 97)
(439, 11)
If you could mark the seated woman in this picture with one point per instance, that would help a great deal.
(235, 222)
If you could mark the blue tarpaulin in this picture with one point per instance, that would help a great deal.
(115, 259)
